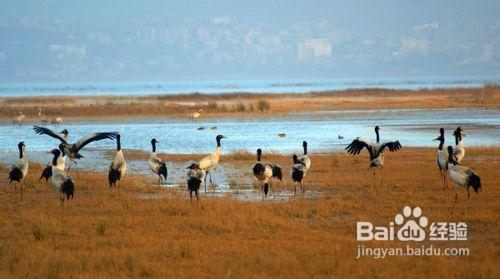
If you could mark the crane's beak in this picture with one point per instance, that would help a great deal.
(436, 139)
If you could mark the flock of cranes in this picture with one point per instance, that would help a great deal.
(448, 160)
(19, 119)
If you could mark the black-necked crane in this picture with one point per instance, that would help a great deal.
(61, 180)
(462, 177)
(42, 117)
(264, 172)
(458, 150)
(195, 177)
(73, 149)
(305, 159)
(61, 163)
(118, 167)
(18, 120)
(157, 165)
(376, 149)
(19, 169)
(209, 163)
(298, 173)
(442, 157)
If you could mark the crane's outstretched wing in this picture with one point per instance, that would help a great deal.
(357, 145)
(46, 131)
(392, 145)
(91, 138)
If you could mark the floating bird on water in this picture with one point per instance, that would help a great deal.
(282, 135)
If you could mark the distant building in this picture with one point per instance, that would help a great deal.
(314, 48)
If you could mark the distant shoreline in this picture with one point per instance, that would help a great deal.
(248, 104)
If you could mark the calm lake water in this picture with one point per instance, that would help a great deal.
(250, 86)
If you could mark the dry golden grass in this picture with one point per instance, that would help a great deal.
(118, 233)
(231, 104)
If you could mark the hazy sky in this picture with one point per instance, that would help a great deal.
(98, 40)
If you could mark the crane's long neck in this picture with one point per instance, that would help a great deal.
(54, 161)
(218, 142)
(258, 156)
(154, 147)
(305, 149)
(118, 144)
(457, 140)
(378, 136)
(21, 152)
(441, 140)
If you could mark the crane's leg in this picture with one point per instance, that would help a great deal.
(206, 185)
(294, 188)
(302, 187)
(382, 176)
(191, 195)
(158, 184)
(373, 182)
(21, 190)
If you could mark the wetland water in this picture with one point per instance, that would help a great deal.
(415, 128)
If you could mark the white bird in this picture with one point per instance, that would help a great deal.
(264, 172)
(57, 120)
(118, 167)
(209, 163)
(196, 115)
(195, 177)
(458, 150)
(462, 177)
(19, 118)
(157, 165)
(305, 158)
(61, 164)
(376, 149)
(61, 181)
(43, 119)
(73, 149)
(442, 157)
(19, 169)
(298, 173)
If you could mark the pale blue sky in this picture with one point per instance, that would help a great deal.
(171, 40)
